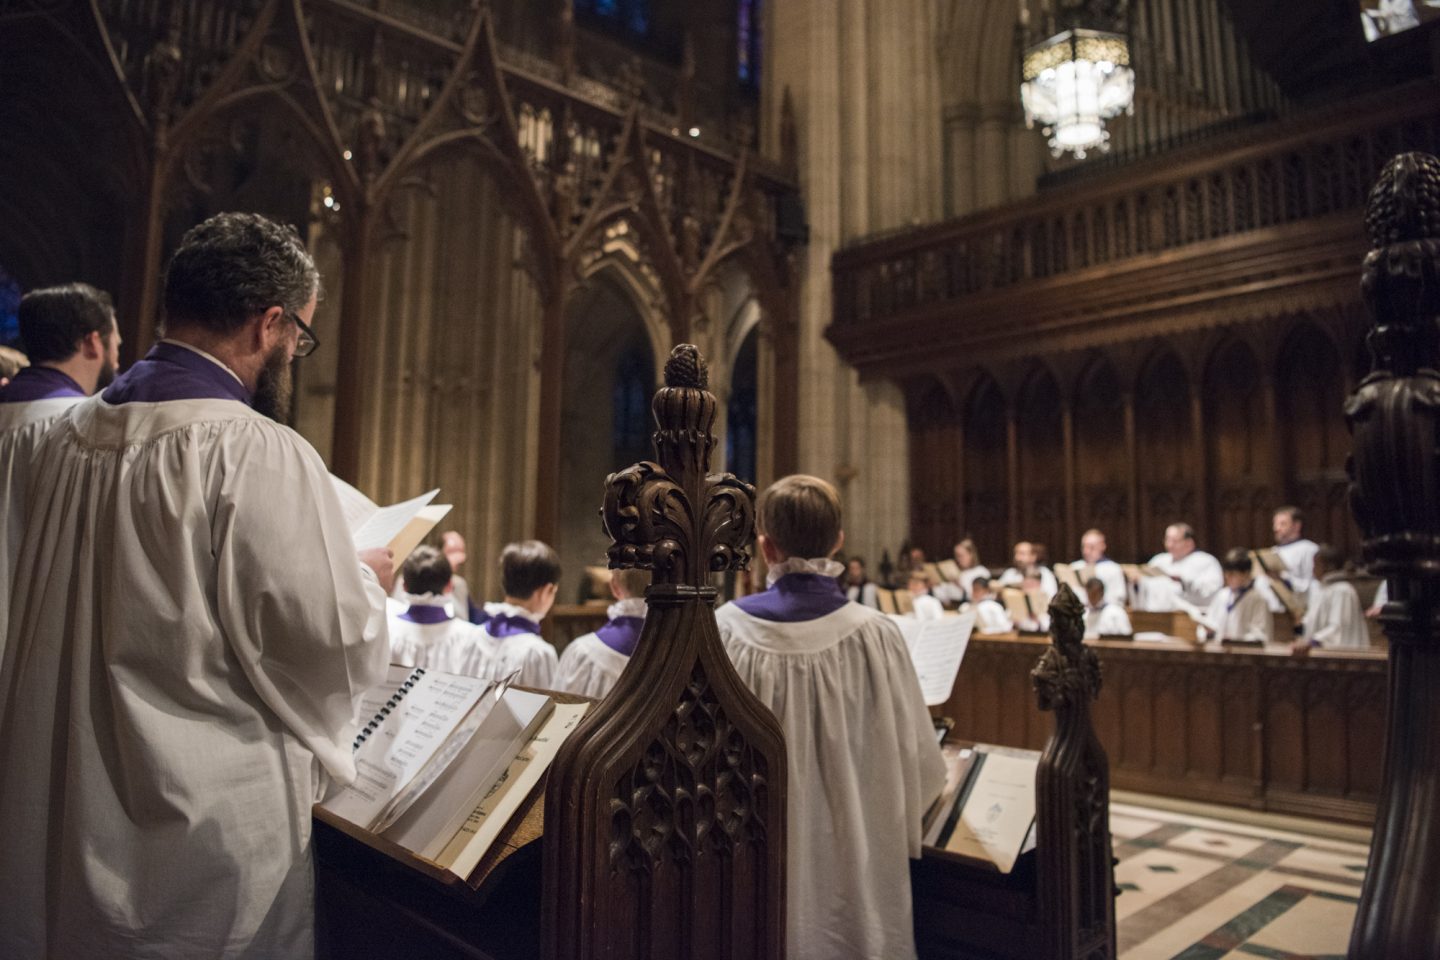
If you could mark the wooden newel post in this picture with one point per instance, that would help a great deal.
(665, 811)
(1394, 419)
(1075, 879)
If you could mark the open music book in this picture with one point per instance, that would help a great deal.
(1025, 608)
(1133, 570)
(1267, 563)
(987, 808)
(937, 647)
(434, 748)
(400, 526)
(949, 569)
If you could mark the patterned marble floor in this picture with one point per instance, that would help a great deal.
(1197, 888)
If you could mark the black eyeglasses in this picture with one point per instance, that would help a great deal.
(306, 342)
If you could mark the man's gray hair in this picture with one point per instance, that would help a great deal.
(234, 266)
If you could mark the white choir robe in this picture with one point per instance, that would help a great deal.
(1108, 619)
(992, 617)
(1200, 580)
(1334, 618)
(862, 767)
(1298, 557)
(866, 593)
(1245, 616)
(21, 427)
(190, 634)
(448, 645)
(958, 591)
(495, 657)
(1108, 572)
(590, 667)
(1048, 584)
(926, 607)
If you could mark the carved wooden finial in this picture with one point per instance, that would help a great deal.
(670, 516)
(665, 810)
(1400, 280)
(1394, 469)
(1075, 875)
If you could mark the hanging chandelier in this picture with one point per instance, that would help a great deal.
(1075, 81)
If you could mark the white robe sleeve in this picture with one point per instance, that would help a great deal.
(1254, 621)
(310, 631)
(1114, 621)
(1202, 579)
(538, 666)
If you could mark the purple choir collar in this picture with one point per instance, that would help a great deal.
(621, 634)
(426, 613)
(40, 383)
(796, 597)
(174, 372)
(505, 625)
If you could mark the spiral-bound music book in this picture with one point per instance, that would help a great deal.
(431, 746)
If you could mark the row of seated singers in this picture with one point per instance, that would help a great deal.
(1182, 577)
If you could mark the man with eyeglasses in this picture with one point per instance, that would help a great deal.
(191, 629)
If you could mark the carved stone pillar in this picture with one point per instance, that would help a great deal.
(960, 122)
(1394, 418)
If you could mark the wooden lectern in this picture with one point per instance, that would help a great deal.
(1394, 418)
(660, 829)
(1059, 901)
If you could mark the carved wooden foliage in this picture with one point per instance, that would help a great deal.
(665, 812)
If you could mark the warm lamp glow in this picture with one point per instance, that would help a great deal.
(1073, 83)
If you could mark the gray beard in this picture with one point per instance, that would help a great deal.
(275, 387)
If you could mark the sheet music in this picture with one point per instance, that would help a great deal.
(937, 650)
(355, 505)
(998, 812)
(385, 524)
(400, 747)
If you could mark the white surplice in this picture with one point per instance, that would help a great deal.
(1048, 584)
(992, 617)
(494, 658)
(1334, 618)
(1238, 615)
(1298, 558)
(866, 594)
(448, 646)
(863, 766)
(589, 667)
(925, 607)
(1200, 580)
(21, 427)
(190, 632)
(1108, 572)
(958, 591)
(1108, 619)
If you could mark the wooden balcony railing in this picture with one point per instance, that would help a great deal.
(1239, 186)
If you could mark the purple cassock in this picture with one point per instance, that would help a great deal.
(796, 597)
(171, 372)
(621, 634)
(39, 383)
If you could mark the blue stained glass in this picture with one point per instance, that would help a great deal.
(605, 8)
(10, 294)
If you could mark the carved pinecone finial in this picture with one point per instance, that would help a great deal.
(1405, 202)
(687, 368)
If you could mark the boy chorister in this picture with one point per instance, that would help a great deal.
(990, 614)
(592, 664)
(1104, 617)
(424, 632)
(1333, 617)
(1239, 611)
(923, 606)
(863, 763)
(510, 639)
